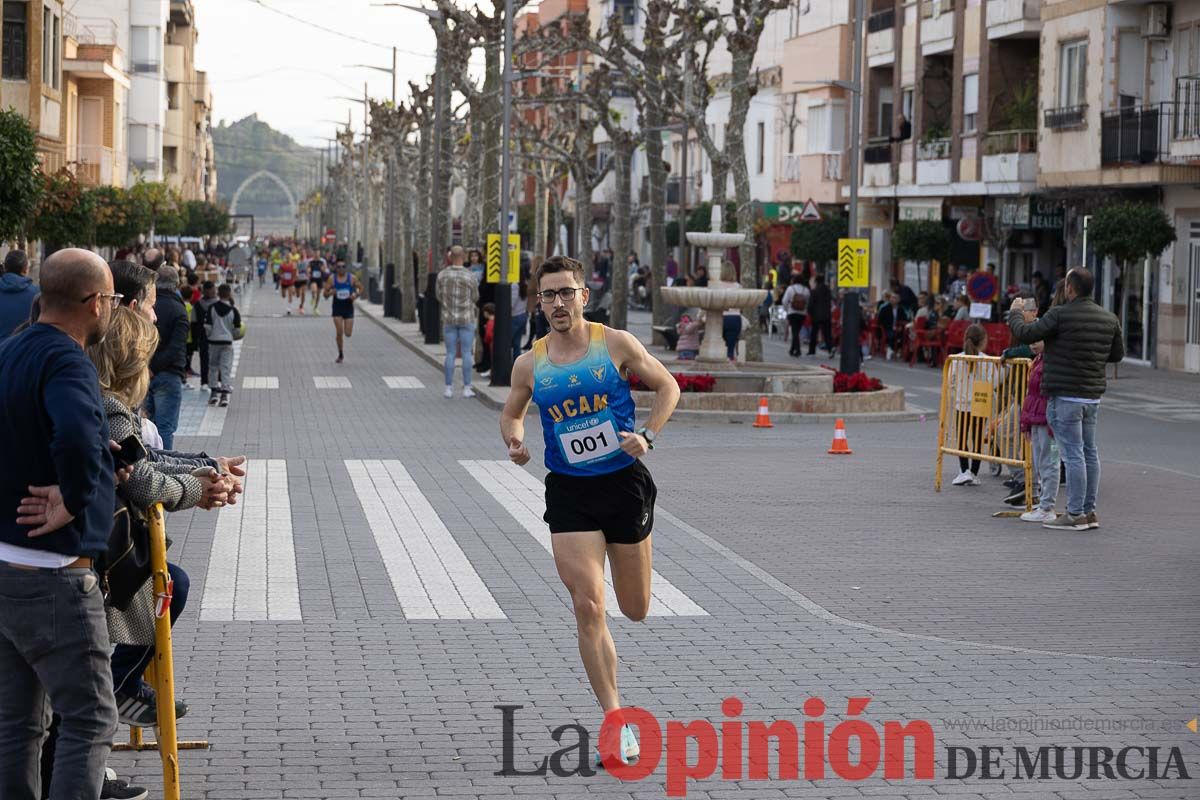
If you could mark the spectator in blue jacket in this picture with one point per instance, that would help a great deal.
(55, 430)
(17, 292)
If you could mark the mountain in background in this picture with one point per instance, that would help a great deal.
(249, 146)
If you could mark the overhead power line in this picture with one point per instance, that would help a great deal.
(351, 37)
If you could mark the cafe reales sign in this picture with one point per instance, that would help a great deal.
(1032, 213)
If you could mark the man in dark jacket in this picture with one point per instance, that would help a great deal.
(1081, 338)
(17, 292)
(820, 309)
(168, 366)
(53, 637)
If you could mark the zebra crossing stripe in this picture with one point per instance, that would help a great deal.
(252, 566)
(432, 577)
(403, 382)
(261, 382)
(522, 496)
(331, 382)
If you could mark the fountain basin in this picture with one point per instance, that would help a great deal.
(718, 240)
(712, 299)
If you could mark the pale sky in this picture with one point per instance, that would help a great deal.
(292, 74)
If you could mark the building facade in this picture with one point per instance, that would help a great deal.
(31, 72)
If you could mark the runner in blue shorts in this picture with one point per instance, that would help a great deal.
(599, 495)
(344, 288)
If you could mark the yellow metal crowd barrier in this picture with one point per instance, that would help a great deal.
(161, 672)
(980, 415)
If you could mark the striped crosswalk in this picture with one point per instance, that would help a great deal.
(430, 573)
(252, 566)
(252, 572)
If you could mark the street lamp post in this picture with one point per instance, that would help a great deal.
(851, 356)
(502, 340)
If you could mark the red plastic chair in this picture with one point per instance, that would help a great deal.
(999, 337)
(930, 339)
(955, 332)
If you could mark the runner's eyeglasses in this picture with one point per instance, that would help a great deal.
(567, 294)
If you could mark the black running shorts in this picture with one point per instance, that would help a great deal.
(343, 309)
(620, 504)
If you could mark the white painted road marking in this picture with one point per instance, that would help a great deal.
(252, 567)
(403, 382)
(430, 573)
(331, 382)
(523, 496)
(260, 383)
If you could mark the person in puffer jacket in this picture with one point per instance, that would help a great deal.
(221, 323)
(1045, 449)
(17, 292)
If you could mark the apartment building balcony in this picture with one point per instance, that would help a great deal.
(877, 164)
(1185, 139)
(1138, 145)
(91, 30)
(1014, 19)
(881, 38)
(933, 161)
(816, 176)
(174, 127)
(1010, 157)
(937, 26)
(100, 166)
(173, 63)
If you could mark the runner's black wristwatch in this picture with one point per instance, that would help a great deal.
(648, 435)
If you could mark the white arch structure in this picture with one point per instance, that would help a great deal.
(262, 173)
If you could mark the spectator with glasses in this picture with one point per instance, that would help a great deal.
(55, 429)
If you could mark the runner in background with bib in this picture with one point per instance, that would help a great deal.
(599, 495)
(344, 288)
(287, 281)
(317, 267)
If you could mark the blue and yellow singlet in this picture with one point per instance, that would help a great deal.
(584, 405)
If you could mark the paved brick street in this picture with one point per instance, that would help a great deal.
(385, 584)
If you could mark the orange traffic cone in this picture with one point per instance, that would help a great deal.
(763, 420)
(840, 444)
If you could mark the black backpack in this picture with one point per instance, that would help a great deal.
(125, 568)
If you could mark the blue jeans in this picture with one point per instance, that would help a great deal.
(1074, 426)
(53, 652)
(128, 660)
(162, 404)
(454, 336)
(731, 329)
(1045, 466)
(519, 324)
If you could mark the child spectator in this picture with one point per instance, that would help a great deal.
(971, 429)
(688, 346)
(1045, 449)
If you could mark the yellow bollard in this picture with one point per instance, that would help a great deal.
(161, 672)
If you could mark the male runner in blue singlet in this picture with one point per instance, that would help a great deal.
(599, 495)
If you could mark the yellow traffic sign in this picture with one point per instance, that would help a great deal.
(493, 258)
(854, 263)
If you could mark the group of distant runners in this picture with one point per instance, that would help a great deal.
(303, 276)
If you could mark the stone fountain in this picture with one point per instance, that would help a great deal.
(794, 391)
(718, 295)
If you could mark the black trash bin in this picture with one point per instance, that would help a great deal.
(433, 311)
(373, 291)
(389, 279)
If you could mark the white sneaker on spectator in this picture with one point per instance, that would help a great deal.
(448, 393)
(974, 480)
(468, 391)
(1038, 515)
(963, 478)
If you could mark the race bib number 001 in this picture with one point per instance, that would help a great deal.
(589, 444)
